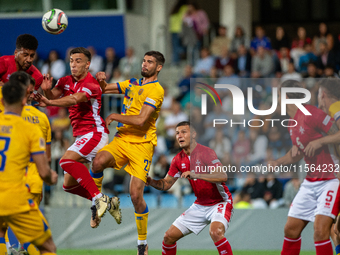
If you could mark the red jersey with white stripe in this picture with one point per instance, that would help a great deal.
(323, 164)
(85, 116)
(207, 193)
(8, 66)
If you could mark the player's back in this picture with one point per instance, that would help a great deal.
(18, 141)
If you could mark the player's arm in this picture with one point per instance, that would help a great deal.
(213, 176)
(107, 88)
(289, 158)
(48, 154)
(46, 86)
(49, 176)
(332, 137)
(162, 184)
(61, 102)
(138, 120)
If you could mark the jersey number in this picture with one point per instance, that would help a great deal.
(3, 151)
(146, 165)
(329, 196)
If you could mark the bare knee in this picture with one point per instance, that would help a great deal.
(291, 232)
(99, 163)
(216, 234)
(321, 233)
(136, 198)
(168, 239)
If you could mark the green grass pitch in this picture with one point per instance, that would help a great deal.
(155, 252)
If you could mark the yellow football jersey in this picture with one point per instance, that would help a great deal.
(136, 95)
(38, 118)
(334, 110)
(18, 141)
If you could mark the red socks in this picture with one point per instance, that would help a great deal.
(224, 247)
(169, 249)
(291, 246)
(79, 172)
(324, 247)
(78, 190)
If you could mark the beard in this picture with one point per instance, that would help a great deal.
(148, 74)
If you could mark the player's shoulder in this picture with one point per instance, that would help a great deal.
(202, 148)
(7, 58)
(90, 81)
(35, 111)
(179, 157)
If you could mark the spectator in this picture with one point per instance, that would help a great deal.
(61, 122)
(258, 145)
(284, 60)
(175, 27)
(205, 63)
(298, 45)
(129, 65)
(260, 40)
(242, 201)
(241, 148)
(54, 66)
(110, 62)
(239, 39)
(197, 121)
(329, 72)
(325, 57)
(273, 191)
(291, 74)
(243, 62)
(229, 76)
(200, 18)
(281, 39)
(117, 76)
(96, 61)
(184, 83)
(210, 130)
(220, 144)
(323, 36)
(220, 42)
(262, 64)
(256, 188)
(310, 80)
(224, 59)
(306, 58)
(290, 190)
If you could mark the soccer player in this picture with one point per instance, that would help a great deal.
(26, 46)
(81, 93)
(318, 197)
(34, 116)
(214, 202)
(20, 140)
(136, 137)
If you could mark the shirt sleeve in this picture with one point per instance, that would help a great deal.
(321, 121)
(48, 130)
(38, 78)
(211, 158)
(173, 170)
(37, 142)
(91, 90)
(60, 84)
(155, 98)
(3, 67)
(122, 86)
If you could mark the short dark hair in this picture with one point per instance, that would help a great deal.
(13, 92)
(20, 76)
(83, 50)
(157, 55)
(293, 84)
(27, 41)
(331, 87)
(185, 123)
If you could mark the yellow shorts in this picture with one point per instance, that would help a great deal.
(28, 227)
(33, 179)
(137, 156)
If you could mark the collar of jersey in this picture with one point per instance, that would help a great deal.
(141, 79)
(12, 113)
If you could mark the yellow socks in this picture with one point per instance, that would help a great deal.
(142, 225)
(98, 179)
(3, 247)
(31, 249)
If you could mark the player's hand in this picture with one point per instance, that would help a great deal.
(186, 174)
(312, 147)
(54, 178)
(101, 76)
(148, 181)
(42, 101)
(295, 151)
(109, 119)
(47, 82)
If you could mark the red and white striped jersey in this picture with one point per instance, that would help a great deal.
(85, 116)
(207, 193)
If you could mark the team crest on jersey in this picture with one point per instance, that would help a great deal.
(198, 162)
(302, 130)
(42, 142)
(140, 91)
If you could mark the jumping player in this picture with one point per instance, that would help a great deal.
(214, 202)
(318, 197)
(20, 140)
(26, 46)
(136, 137)
(81, 93)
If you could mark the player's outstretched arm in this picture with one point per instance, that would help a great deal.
(46, 86)
(289, 158)
(138, 120)
(213, 176)
(61, 102)
(49, 176)
(162, 184)
(107, 88)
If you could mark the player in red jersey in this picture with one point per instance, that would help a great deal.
(81, 93)
(318, 197)
(26, 46)
(214, 201)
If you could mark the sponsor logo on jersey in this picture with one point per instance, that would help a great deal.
(183, 166)
(67, 87)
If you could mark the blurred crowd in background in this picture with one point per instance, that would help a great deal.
(243, 60)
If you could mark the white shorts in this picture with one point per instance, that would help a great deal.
(89, 144)
(197, 217)
(316, 198)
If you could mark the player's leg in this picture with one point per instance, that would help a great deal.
(171, 236)
(292, 233)
(322, 226)
(103, 159)
(216, 232)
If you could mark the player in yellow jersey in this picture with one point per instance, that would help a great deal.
(136, 137)
(36, 117)
(329, 102)
(20, 140)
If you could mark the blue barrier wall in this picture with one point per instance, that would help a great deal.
(100, 32)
